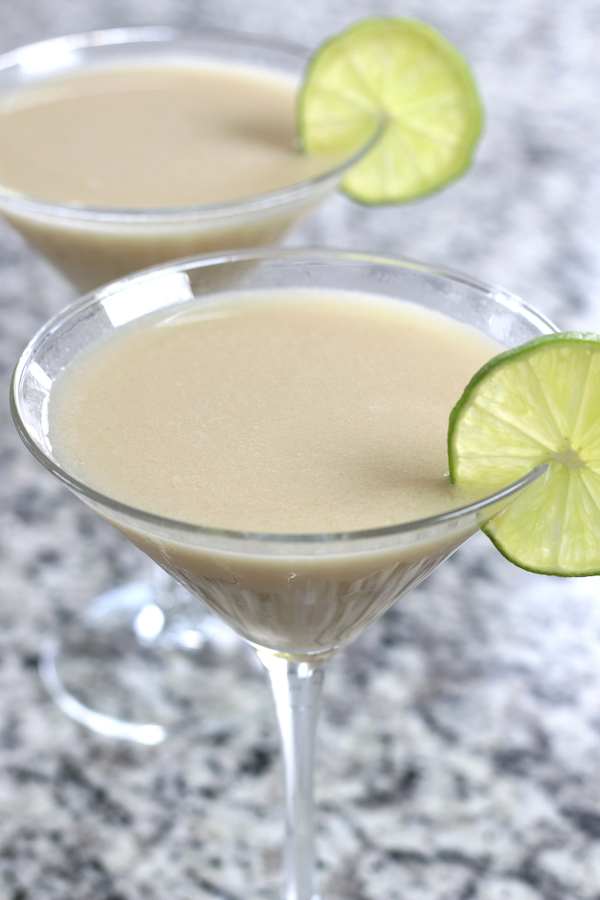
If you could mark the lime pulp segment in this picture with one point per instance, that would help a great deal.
(538, 404)
(403, 77)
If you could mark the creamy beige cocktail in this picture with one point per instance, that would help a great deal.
(123, 149)
(297, 412)
(153, 136)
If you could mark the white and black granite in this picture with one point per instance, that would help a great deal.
(460, 740)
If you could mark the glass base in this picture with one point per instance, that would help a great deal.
(142, 666)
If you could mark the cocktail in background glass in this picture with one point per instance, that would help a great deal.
(297, 598)
(92, 242)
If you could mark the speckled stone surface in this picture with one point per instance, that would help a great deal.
(460, 739)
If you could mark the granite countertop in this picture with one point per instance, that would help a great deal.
(459, 754)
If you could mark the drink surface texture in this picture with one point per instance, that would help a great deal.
(152, 137)
(285, 413)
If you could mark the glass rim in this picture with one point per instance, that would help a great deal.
(94, 298)
(148, 34)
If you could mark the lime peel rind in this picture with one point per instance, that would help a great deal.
(533, 405)
(404, 73)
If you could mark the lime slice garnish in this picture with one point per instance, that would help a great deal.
(538, 404)
(403, 77)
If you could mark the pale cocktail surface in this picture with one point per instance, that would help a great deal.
(296, 412)
(153, 136)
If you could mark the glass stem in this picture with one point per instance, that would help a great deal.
(297, 689)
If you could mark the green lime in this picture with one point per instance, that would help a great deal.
(401, 76)
(538, 404)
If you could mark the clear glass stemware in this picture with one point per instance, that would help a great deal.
(296, 598)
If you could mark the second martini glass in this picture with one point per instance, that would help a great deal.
(93, 244)
(90, 245)
(296, 598)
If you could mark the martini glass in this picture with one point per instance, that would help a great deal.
(162, 631)
(297, 599)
